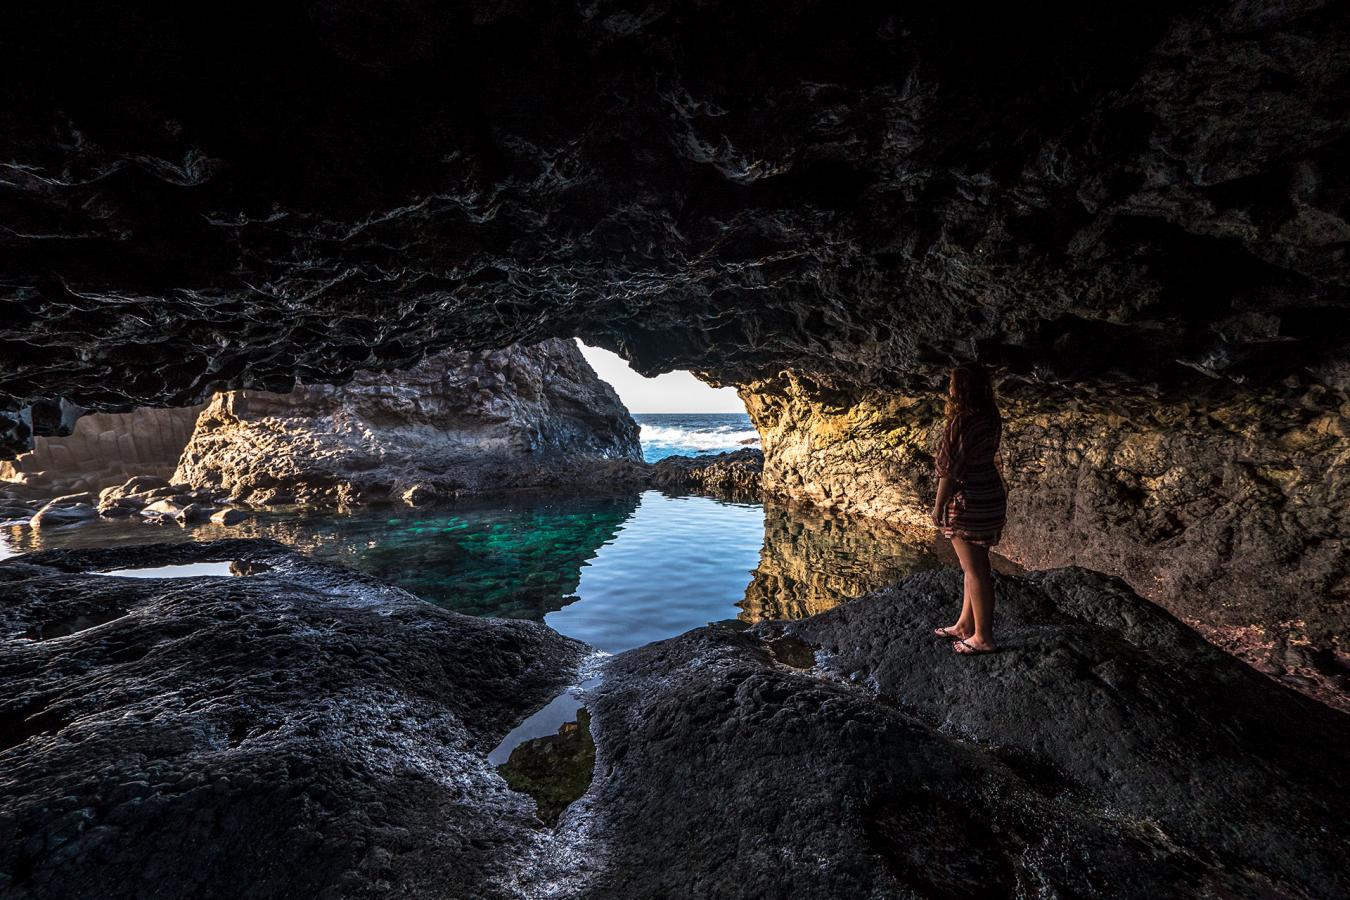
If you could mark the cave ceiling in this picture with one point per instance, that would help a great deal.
(225, 195)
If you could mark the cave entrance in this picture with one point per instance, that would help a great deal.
(679, 415)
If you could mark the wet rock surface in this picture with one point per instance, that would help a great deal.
(302, 731)
(1105, 751)
(734, 475)
(457, 423)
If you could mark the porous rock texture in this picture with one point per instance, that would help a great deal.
(104, 450)
(1230, 508)
(1106, 751)
(301, 730)
(456, 423)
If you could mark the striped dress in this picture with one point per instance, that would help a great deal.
(968, 456)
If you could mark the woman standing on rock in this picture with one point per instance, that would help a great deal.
(972, 503)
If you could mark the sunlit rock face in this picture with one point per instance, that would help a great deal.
(1230, 507)
(456, 423)
(103, 450)
(261, 194)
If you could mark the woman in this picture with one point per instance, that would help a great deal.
(971, 503)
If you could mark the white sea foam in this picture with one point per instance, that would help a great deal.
(716, 438)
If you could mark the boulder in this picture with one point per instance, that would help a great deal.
(457, 423)
(71, 509)
(194, 513)
(170, 508)
(228, 516)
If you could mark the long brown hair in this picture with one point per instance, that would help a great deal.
(970, 390)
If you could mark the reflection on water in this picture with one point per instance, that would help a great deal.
(185, 570)
(813, 560)
(614, 572)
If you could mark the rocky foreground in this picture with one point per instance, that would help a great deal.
(302, 730)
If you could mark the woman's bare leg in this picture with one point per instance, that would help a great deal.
(979, 602)
(965, 623)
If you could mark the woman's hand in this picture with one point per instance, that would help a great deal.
(939, 516)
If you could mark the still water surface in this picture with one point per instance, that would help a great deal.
(616, 572)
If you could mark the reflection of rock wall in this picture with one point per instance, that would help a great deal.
(1232, 510)
(455, 423)
(813, 560)
(103, 450)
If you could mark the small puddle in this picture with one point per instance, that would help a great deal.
(792, 652)
(544, 723)
(555, 770)
(185, 570)
(551, 756)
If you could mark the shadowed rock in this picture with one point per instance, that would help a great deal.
(300, 731)
(1105, 751)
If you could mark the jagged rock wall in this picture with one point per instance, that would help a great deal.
(1123, 193)
(455, 423)
(1229, 507)
(103, 450)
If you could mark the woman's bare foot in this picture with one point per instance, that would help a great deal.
(953, 632)
(973, 645)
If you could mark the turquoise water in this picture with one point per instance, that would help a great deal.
(615, 572)
(692, 434)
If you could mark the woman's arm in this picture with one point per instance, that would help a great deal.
(951, 464)
(946, 487)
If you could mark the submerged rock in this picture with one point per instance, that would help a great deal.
(302, 731)
(1105, 751)
(734, 475)
(457, 423)
(71, 509)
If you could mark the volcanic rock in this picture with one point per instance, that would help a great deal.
(734, 475)
(228, 516)
(1105, 750)
(1112, 204)
(71, 509)
(454, 424)
(102, 451)
(302, 731)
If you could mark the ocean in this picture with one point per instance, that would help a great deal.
(693, 434)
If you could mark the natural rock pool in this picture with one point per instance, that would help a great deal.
(616, 572)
